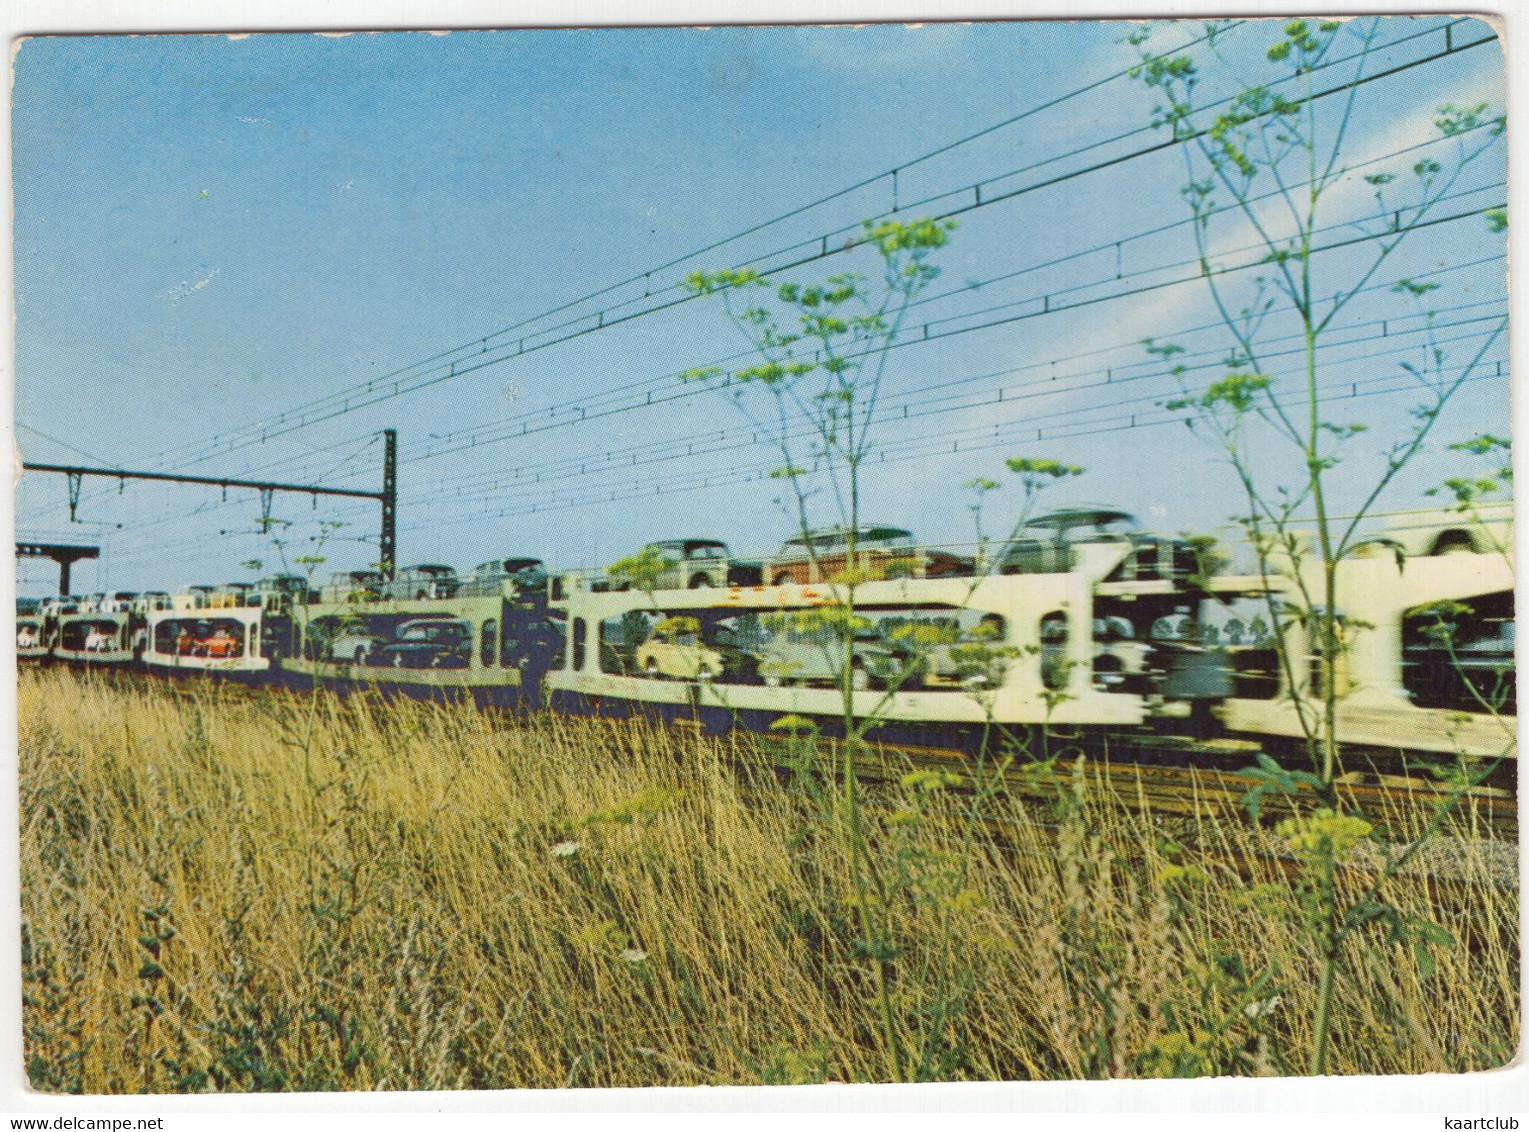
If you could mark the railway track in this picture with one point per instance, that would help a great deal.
(1197, 805)
(1214, 787)
(1162, 775)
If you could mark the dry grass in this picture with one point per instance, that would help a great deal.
(277, 893)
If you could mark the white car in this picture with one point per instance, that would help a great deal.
(101, 638)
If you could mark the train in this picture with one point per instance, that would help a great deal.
(1094, 632)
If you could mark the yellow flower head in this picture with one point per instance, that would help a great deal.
(1325, 833)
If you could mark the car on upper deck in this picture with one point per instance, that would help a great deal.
(353, 586)
(233, 595)
(487, 578)
(193, 597)
(426, 581)
(691, 563)
(1488, 529)
(281, 589)
(1050, 544)
(151, 600)
(880, 551)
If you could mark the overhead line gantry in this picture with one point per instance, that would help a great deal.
(387, 497)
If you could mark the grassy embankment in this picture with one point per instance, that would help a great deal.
(273, 893)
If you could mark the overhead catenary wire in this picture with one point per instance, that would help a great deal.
(703, 447)
(1389, 330)
(1123, 423)
(899, 410)
(366, 394)
(917, 334)
(565, 411)
(753, 229)
(1386, 325)
(473, 439)
(946, 441)
(1002, 436)
(968, 314)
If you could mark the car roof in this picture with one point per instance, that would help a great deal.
(1081, 513)
(865, 532)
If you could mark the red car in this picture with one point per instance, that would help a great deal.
(215, 640)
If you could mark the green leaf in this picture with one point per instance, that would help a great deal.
(1028, 466)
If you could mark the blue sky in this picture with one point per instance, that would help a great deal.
(210, 231)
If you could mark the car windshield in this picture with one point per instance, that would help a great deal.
(438, 632)
(1113, 629)
(708, 550)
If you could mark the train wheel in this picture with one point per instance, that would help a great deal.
(782, 579)
(700, 582)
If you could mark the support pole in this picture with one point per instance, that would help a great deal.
(66, 556)
(389, 538)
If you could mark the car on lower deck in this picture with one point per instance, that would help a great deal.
(817, 654)
(29, 632)
(426, 642)
(683, 648)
